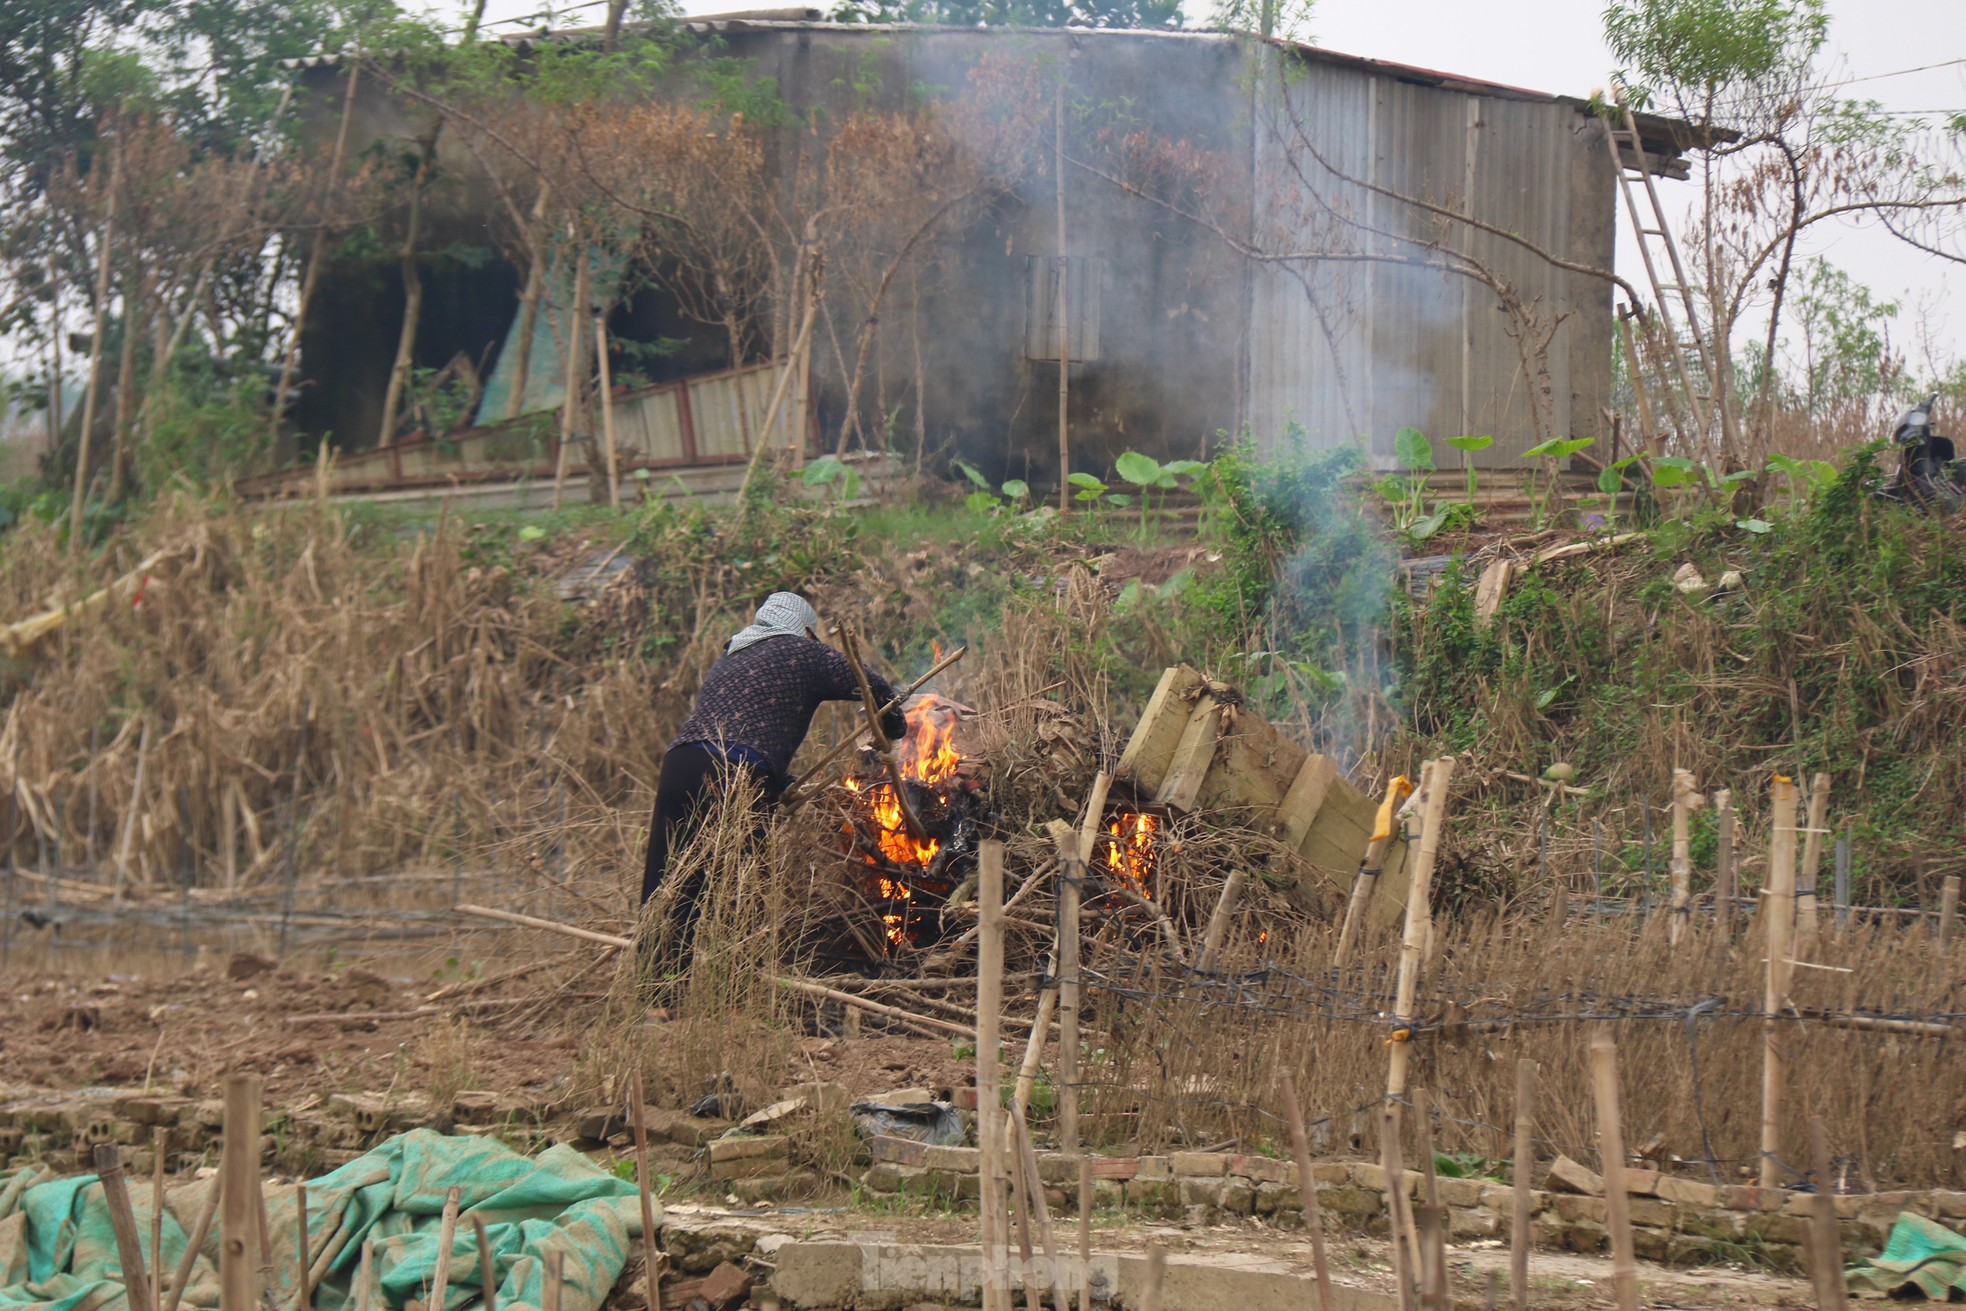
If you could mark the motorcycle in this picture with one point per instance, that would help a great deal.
(1930, 474)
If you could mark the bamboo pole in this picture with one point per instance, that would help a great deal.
(1611, 1163)
(1027, 1070)
(1433, 1235)
(1020, 1213)
(1369, 866)
(534, 922)
(193, 1246)
(793, 368)
(1807, 930)
(440, 1278)
(1040, 1209)
(488, 1266)
(989, 1108)
(1218, 920)
(607, 409)
(316, 247)
(1398, 1222)
(1085, 1235)
(104, 253)
(1831, 1294)
(570, 403)
(1435, 779)
(1724, 889)
(1778, 910)
(1684, 802)
(1071, 882)
(304, 1295)
(529, 307)
(1300, 1144)
(365, 1277)
(399, 372)
(1523, 1177)
(123, 1223)
(239, 1166)
(157, 1140)
(651, 1250)
(1948, 911)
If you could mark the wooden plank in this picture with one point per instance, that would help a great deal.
(1193, 758)
(1150, 750)
(1253, 769)
(1301, 804)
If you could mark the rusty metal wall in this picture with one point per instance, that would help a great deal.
(1363, 340)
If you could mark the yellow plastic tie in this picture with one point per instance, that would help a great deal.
(1400, 1035)
(1382, 823)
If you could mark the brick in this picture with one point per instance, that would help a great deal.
(1199, 1165)
(1685, 1192)
(1272, 1198)
(1119, 1168)
(1650, 1211)
(1650, 1244)
(725, 1286)
(764, 1145)
(1238, 1197)
(1262, 1169)
(1473, 1222)
(1459, 1192)
(1153, 1167)
(881, 1147)
(1572, 1209)
(1201, 1192)
(1641, 1182)
(150, 1108)
(1567, 1176)
(956, 1160)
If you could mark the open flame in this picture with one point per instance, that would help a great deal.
(1130, 855)
(932, 768)
(926, 756)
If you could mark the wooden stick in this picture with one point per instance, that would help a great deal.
(1433, 1237)
(1684, 802)
(238, 1272)
(1524, 1179)
(570, 404)
(534, 922)
(1085, 1235)
(157, 1140)
(804, 790)
(488, 1268)
(1034, 1188)
(1071, 875)
(607, 423)
(1724, 889)
(196, 1243)
(304, 1295)
(365, 1277)
(1831, 1295)
(77, 540)
(1778, 909)
(651, 1252)
(1020, 1210)
(1369, 866)
(1435, 780)
(440, 1278)
(882, 747)
(876, 1008)
(1156, 1276)
(1948, 911)
(123, 1221)
(1027, 1072)
(1807, 930)
(1400, 1230)
(1300, 1143)
(989, 1107)
(130, 816)
(1611, 1162)
(1218, 920)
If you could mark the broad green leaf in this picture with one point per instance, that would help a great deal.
(1121, 499)
(1471, 443)
(1413, 451)
(1088, 494)
(822, 471)
(1140, 470)
(1821, 473)
(1017, 489)
(532, 532)
(1754, 525)
(1427, 525)
(971, 472)
(1611, 481)
(1788, 464)
(1183, 468)
(978, 502)
(1544, 698)
(1559, 448)
(1087, 481)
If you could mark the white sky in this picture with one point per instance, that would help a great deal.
(1558, 46)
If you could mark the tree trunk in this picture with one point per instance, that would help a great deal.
(529, 308)
(103, 257)
(135, 318)
(399, 373)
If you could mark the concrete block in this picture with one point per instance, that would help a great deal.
(1686, 1192)
(1154, 1196)
(1262, 1169)
(1199, 1165)
(882, 1147)
(1572, 1209)
(817, 1274)
(1753, 1199)
(1238, 1197)
(1473, 1222)
(1947, 1206)
(1153, 1167)
(1459, 1192)
(1330, 1172)
(956, 1160)
(1274, 1198)
(1776, 1228)
(1108, 1194)
(744, 1149)
(1201, 1192)
(1650, 1244)
(1120, 1168)
(756, 1188)
(887, 1177)
(1357, 1207)
(1567, 1176)
(1651, 1211)
(1058, 1168)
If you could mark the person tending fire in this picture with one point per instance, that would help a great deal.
(751, 715)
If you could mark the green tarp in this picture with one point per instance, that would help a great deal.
(57, 1252)
(1920, 1254)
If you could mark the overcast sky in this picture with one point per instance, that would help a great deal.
(1558, 46)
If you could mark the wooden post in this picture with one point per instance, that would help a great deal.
(1433, 1235)
(1435, 780)
(1020, 1209)
(1831, 1295)
(607, 410)
(1524, 1178)
(989, 1106)
(1684, 802)
(1071, 882)
(123, 1222)
(1062, 309)
(488, 1267)
(304, 1294)
(158, 1138)
(1948, 911)
(1218, 921)
(1778, 911)
(570, 403)
(651, 1252)
(1156, 1276)
(1085, 1234)
(1369, 866)
(1724, 889)
(237, 1268)
(1611, 1162)
(1034, 1188)
(1399, 1227)
(1807, 931)
(105, 248)
(193, 1246)
(440, 1278)
(1300, 1144)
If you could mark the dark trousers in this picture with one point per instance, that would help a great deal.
(684, 791)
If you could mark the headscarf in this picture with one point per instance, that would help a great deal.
(784, 614)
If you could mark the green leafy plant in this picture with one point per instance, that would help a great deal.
(985, 498)
(829, 471)
(1805, 477)
(1150, 475)
(1468, 446)
(1553, 452)
(1090, 489)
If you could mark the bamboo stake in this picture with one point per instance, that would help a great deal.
(1027, 1072)
(1369, 865)
(1778, 910)
(1611, 1162)
(1948, 911)
(1724, 889)
(1061, 310)
(877, 1008)
(1020, 1211)
(123, 1222)
(1433, 1235)
(103, 256)
(1807, 931)
(1218, 920)
(130, 816)
(1523, 1177)
(534, 922)
(1156, 1276)
(315, 248)
(1034, 1187)
(157, 1141)
(365, 1277)
(304, 1296)
(607, 410)
(1684, 802)
(1071, 881)
(238, 1273)
(193, 1246)
(1831, 1294)
(1399, 1226)
(989, 1108)
(651, 1251)
(1300, 1144)
(440, 1278)
(570, 403)
(1085, 1236)
(1435, 779)
(488, 1267)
